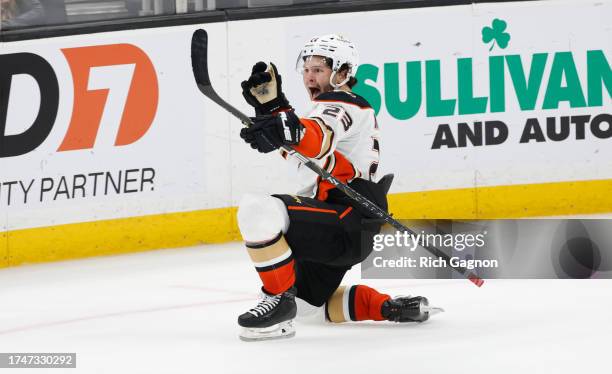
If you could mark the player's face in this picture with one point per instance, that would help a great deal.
(316, 75)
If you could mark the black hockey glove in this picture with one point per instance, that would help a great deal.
(270, 132)
(263, 90)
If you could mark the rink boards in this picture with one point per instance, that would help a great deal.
(486, 110)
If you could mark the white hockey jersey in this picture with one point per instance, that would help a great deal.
(342, 135)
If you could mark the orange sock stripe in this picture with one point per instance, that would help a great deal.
(279, 279)
(368, 302)
(355, 303)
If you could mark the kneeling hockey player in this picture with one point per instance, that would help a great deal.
(302, 245)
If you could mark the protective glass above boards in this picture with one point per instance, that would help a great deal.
(19, 14)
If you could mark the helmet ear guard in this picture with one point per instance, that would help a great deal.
(338, 85)
(335, 48)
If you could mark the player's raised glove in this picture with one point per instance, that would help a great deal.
(270, 132)
(263, 90)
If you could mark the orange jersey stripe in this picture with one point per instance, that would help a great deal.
(317, 140)
(343, 170)
(310, 145)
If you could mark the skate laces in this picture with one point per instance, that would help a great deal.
(267, 304)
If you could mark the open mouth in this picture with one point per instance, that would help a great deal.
(314, 92)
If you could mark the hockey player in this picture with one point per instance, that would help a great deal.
(302, 245)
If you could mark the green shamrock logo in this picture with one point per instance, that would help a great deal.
(496, 33)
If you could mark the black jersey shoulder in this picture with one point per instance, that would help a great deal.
(345, 97)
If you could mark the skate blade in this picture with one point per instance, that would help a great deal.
(282, 330)
(432, 310)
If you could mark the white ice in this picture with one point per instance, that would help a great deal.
(174, 311)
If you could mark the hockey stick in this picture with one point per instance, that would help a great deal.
(199, 63)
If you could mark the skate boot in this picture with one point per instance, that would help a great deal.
(408, 309)
(272, 318)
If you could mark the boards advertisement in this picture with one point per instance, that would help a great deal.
(486, 111)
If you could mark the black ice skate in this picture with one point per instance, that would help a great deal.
(272, 318)
(408, 309)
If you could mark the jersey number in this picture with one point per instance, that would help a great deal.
(341, 115)
(373, 169)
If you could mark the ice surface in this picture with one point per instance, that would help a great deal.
(174, 311)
